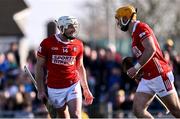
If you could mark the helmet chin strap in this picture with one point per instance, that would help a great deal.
(125, 26)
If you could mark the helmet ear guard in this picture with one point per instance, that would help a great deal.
(61, 29)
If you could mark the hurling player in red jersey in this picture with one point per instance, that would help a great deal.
(157, 74)
(62, 56)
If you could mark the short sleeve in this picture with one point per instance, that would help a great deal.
(144, 32)
(81, 50)
(80, 53)
(42, 50)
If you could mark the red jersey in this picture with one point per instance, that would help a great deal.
(157, 65)
(62, 59)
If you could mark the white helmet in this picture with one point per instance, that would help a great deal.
(65, 21)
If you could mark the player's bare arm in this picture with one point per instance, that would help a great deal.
(148, 53)
(86, 92)
(39, 75)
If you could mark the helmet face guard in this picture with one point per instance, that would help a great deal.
(75, 31)
(124, 26)
(63, 25)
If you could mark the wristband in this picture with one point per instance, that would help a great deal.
(137, 66)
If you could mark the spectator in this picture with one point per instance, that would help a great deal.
(14, 49)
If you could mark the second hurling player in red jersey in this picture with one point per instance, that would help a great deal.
(157, 74)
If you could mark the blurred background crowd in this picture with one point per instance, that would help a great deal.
(104, 49)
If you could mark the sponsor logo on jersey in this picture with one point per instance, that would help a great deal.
(54, 48)
(63, 60)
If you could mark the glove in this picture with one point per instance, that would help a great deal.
(129, 62)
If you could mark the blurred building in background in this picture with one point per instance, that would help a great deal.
(10, 31)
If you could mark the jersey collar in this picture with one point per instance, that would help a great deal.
(134, 26)
(58, 39)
